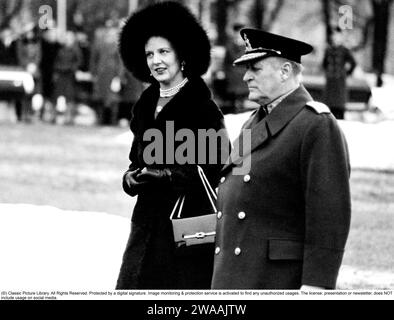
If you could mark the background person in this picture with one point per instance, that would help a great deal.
(154, 47)
(105, 68)
(283, 225)
(49, 49)
(67, 62)
(338, 64)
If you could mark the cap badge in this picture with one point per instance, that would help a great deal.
(247, 43)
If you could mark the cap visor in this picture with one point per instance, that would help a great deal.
(249, 57)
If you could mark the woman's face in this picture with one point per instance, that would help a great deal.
(163, 62)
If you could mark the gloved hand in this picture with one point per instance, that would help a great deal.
(152, 175)
(130, 184)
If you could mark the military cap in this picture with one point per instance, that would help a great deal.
(260, 45)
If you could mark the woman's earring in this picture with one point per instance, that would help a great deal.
(183, 66)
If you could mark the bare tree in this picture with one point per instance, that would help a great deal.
(381, 10)
(262, 17)
(221, 21)
(8, 10)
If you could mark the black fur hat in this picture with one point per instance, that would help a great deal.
(174, 22)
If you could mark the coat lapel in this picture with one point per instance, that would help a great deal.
(269, 126)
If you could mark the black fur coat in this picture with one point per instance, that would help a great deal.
(150, 260)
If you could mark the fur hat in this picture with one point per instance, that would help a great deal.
(172, 21)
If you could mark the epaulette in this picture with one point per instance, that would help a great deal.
(318, 107)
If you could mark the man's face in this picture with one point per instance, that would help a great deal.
(264, 80)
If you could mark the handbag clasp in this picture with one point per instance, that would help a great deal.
(199, 235)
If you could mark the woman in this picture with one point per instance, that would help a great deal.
(154, 49)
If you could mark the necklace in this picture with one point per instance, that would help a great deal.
(165, 93)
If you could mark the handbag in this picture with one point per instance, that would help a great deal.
(195, 230)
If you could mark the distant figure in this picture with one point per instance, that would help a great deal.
(131, 89)
(8, 49)
(338, 63)
(29, 58)
(9, 57)
(105, 69)
(67, 62)
(49, 49)
(236, 89)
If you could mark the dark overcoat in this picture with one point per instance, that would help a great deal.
(285, 223)
(150, 260)
(338, 64)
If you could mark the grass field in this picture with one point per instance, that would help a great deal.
(80, 168)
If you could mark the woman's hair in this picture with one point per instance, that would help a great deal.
(175, 23)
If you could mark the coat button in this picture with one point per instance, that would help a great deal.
(220, 215)
(247, 178)
(241, 215)
(237, 251)
(217, 250)
(222, 179)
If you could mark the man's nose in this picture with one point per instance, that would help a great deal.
(247, 76)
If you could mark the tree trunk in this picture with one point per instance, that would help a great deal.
(381, 9)
(326, 5)
(258, 14)
(221, 21)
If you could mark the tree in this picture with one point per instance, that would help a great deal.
(8, 10)
(262, 16)
(221, 21)
(381, 10)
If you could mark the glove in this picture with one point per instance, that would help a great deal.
(130, 184)
(152, 175)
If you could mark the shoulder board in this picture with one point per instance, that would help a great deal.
(318, 107)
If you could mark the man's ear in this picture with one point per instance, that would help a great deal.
(285, 71)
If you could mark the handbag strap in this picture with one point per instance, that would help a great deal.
(181, 201)
(208, 188)
(211, 194)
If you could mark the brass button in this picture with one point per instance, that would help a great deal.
(247, 178)
(241, 215)
(217, 190)
(237, 251)
(220, 215)
(222, 179)
(217, 250)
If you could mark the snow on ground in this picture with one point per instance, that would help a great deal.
(44, 248)
(370, 144)
(47, 248)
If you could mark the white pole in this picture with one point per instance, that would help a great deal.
(62, 17)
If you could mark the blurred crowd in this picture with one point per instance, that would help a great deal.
(70, 71)
(74, 73)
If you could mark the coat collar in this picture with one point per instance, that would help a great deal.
(190, 95)
(195, 89)
(270, 125)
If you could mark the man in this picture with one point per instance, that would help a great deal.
(283, 225)
(338, 64)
